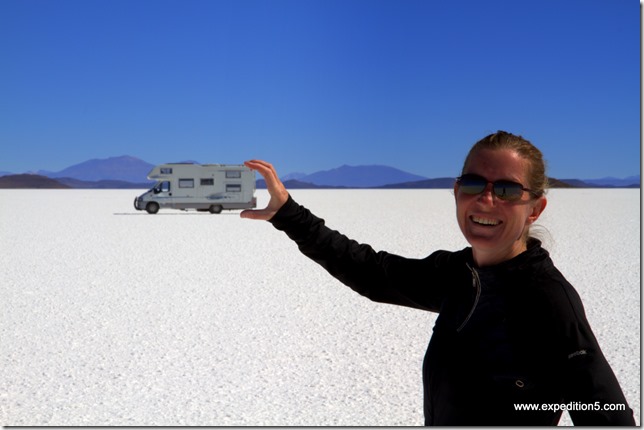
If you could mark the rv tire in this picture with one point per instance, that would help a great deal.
(215, 209)
(152, 208)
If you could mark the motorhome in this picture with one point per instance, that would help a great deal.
(203, 187)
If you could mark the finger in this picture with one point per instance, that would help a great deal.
(266, 170)
(274, 185)
(260, 165)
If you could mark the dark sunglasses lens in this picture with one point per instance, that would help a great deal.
(472, 184)
(508, 190)
(505, 190)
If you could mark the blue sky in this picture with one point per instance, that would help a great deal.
(313, 84)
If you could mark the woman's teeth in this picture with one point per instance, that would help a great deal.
(485, 221)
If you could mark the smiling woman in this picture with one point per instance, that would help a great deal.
(511, 329)
(497, 222)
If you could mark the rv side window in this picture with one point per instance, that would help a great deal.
(233, 174)
(186, 183)
(166, 170)
(233, 188)
(207, 181)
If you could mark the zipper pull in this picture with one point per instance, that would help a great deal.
(476, 283)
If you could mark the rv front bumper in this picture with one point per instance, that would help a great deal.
(137, 202)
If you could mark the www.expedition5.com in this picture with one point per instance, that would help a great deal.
(571, 406)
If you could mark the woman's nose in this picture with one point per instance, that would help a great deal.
(487, 195)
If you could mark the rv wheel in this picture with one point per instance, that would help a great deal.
(215, 209)
(152, 208)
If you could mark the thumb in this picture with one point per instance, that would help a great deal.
(257, 214)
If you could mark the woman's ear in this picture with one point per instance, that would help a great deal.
(537, 209)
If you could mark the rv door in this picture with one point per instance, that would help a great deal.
(163, 194)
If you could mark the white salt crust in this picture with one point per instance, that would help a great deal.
(113, 317)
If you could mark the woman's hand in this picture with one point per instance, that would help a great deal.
(276, 189)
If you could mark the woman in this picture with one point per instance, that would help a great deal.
(511, 330)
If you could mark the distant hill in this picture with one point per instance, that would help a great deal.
(425, 183)
(26, 180)
(629, 182)
(438, 183)
(128, 172)
(124, 168)
(294, 175)
(593, 183)
(104, 184)
(294, 184)
(556, 183)
(360, 176)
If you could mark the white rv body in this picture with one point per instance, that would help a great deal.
(203, 187)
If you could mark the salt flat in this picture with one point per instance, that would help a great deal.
(111, 316)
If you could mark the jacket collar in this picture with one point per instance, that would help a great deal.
(533, 255)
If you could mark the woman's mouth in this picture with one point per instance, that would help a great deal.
(485, 221)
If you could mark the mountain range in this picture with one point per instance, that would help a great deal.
(130, 172)
(124, 168)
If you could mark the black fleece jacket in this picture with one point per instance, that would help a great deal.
(514, 333)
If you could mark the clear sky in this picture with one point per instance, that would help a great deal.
(313, 84)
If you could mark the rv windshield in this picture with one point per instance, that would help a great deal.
(161, 187)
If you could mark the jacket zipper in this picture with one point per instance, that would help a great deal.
(476, 283)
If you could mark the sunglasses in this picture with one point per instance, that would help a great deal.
(505, 190)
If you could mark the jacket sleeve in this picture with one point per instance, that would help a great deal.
(380, 276)
(590, 386)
